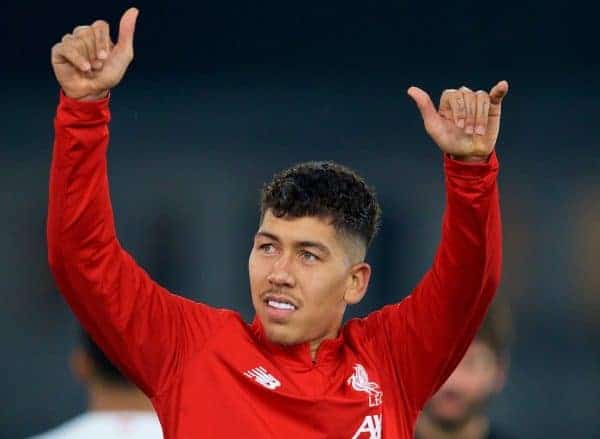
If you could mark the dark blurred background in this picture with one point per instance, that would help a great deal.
(223, 94)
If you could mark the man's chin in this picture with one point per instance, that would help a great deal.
(281, 334)
(449, 424)
(449, 419)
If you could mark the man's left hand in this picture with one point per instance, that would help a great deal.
(467, 123)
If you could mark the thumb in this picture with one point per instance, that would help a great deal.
(127, 29)
(498, 92)
(424, 104)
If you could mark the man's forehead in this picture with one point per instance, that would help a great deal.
(298, 228)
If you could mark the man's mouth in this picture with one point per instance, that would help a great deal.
(279, 308)
(280, 305)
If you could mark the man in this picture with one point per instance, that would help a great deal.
(295, 371)
(116, 408)
(457, 410)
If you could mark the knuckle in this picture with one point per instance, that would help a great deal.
(482, 96)
(460, 103)
(80, 29)
(100, 24)
(71, 52)
(77, 42)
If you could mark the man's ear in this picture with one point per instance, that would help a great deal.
(358, 282)
(81, 366)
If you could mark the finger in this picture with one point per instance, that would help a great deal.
(470, 109)
(102, 33)
(70, 53)
(127, 29)
(445, 109)
(481, 117)
(497, 93)
(70, 44)
(424, 104)
(457, 103)
(86, 35)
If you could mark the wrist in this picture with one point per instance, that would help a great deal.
(470, 158)
(88, 98)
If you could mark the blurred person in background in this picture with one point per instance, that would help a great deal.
(116, 408)
(459, 409)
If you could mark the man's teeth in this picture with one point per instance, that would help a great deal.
(281, 305)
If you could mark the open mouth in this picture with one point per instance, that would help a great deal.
(279, 307)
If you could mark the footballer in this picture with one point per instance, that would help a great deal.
(296, 371)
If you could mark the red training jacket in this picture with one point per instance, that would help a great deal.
(209, 374)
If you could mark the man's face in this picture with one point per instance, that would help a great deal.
(299, 270)
(477, 377)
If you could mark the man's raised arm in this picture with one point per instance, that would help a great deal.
(143, 329)
(427, 334)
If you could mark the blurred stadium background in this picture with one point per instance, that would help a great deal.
(222, 94)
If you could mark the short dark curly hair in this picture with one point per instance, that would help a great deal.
(496, 331)
(328, 190)
(103, 367)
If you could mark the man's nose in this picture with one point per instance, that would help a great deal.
(281, 275)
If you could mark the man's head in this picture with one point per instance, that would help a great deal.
(91, 366)
(307, 261)
(106, 387)
(480, 375)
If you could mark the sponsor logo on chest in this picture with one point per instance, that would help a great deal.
(371, 424)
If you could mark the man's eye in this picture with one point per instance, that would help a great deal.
(309, 257)
(267, 248)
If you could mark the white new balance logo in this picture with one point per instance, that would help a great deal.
(261, 376)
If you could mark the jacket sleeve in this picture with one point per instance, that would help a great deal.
(145, 330)
(426, 335)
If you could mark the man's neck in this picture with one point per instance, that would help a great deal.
(475, 428)
(314, 344)
(116, 398)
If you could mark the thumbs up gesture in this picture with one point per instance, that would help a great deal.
(86, 62)
(466, 124)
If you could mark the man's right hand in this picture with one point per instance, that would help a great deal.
(86, 62)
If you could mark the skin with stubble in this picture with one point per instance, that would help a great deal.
(307, 264)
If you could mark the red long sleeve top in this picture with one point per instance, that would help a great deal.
(208, 373)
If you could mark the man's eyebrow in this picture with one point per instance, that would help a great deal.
(314, 244)
(322, 247)
(267, 235)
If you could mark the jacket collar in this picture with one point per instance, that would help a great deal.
(298, 355)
